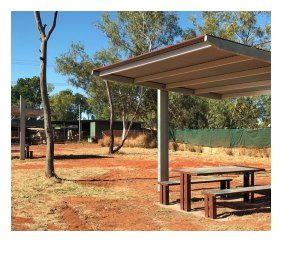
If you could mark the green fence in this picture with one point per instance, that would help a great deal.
(258, 138)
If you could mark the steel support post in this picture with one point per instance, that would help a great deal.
(80, 123)
(162, 135)
(22, 127)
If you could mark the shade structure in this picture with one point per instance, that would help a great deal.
(24, 112)
(205, 66)
(15, 111)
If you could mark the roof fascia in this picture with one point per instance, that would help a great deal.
(238, 48)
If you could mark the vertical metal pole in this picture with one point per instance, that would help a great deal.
(79, 123)
(64, 132)
(22, 127)
(162, 135)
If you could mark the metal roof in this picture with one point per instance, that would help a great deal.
(28, 111)
(205, 66)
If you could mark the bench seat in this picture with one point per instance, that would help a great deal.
(210, 196)
(164, 186)
(28, 153)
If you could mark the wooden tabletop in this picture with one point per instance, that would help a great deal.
(218, 170)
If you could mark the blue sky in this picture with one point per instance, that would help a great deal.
(72, 27)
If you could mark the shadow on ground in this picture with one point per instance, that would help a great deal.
(261, 205)
(80, 156)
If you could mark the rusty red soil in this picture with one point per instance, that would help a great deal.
(142, 211)
(21, 223)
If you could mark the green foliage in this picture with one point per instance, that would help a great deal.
(148, 110)
(243, 27)
(187, 111)
(134, 33)
(29, 88)
(65, 105)
(264, 106)
(219, 114)
(242, 112)
(125, 96)
(245, 113)
(77, 65)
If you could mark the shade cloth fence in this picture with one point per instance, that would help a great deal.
(249, 138)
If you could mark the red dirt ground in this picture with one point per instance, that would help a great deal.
(141, 211)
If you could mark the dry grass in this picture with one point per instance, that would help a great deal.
(229, 151)
(35, 197)
(254, 152)
(144, 140)
(175, 146)
(251, 152)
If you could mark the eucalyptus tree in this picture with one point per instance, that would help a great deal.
(65, 105)
(187, 112)
(44, 38)
(250, 28)
(77, 65)
(135, 33)
(124, 101)
(130, 34)
(29, 88)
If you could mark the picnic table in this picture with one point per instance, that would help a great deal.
(186, 173)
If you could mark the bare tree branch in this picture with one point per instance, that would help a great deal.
(39, 24)
(53, 25)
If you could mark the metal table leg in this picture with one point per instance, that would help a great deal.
(185, 192)
(246, 179)
(252, 184)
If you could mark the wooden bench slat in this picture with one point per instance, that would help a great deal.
(210, 196)
(164, 186)
(195, 181)
(169, 183)
(238, 190)
(206, 180)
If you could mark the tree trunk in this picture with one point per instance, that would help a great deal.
(111, 144)
(125, 124)
(50, 170)
(131, 123)
(125, 135)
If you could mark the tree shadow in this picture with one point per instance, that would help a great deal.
(193, 200)
(79, 156)
(72, 157)
(105, 180)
